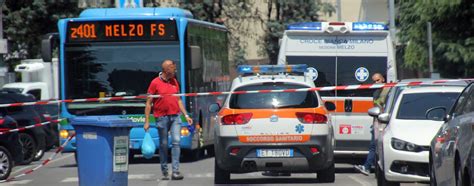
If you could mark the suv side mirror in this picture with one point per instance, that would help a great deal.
(215, 107)
(436, 113)
(374, 111)
(447, 118)
(384, 118)
(330, 106)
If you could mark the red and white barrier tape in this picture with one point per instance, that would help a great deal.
(29, 126)
(58, 150)
(330, 88)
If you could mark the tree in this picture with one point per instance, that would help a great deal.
(234, 14)
(26, 21)
(281, 13)
(239, 15)
(452, 35)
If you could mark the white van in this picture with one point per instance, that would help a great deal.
(343, 53)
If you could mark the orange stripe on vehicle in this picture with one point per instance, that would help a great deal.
(357, 106)
(267, 113)
(274, 138)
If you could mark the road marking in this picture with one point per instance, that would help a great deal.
(70, 179)
(360, 181)
(19, 182)
(130, 177)
(31, 166)
(163, 182)
(196, 175)
(140, 176)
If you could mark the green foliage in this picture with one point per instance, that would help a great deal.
(452, 33)
(234, 14)
(281, 13)
(240, 15)
(26, 21)
(207, 10)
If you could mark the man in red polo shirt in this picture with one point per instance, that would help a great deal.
(166, 110)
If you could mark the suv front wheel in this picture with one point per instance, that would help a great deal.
(220, 176)
(327, 175)
(28, 147)
(6, 163)
(39, 154)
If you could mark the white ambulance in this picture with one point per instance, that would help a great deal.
(278, 129)
(344, 53)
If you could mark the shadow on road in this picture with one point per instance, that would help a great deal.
(346, 170)
(185, 158)
(274, 180)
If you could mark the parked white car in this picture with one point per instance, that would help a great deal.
(403, 149)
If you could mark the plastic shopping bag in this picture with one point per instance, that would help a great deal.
(148, 146)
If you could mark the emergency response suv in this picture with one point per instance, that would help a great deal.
(281, 128)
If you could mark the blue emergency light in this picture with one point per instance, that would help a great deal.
(266, 69)
(305, 26)
(367, 26)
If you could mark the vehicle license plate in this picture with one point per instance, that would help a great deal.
(274, 153)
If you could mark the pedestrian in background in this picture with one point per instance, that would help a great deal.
(379, 101)
(166, 110)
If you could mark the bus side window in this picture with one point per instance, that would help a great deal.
(196, 58)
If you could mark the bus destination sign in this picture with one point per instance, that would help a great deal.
(123, 30)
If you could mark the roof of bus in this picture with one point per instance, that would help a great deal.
(114, 12)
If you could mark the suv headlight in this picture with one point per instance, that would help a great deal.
(405, 146)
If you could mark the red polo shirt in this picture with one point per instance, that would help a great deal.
(167, 105)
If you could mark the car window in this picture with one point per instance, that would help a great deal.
(469, 105)
(389, 99)
(9, 110)
(273, 100)
(458, 110)
(395, 92)
(415, 106)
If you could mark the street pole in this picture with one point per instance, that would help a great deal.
(338, 4)
(391, 7)
(430, 49)
(3, 67)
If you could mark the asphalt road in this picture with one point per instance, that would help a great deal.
(63, 171)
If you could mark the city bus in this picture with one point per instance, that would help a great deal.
(343, 53)
(117, 52)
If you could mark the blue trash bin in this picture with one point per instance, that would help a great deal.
(102, 150)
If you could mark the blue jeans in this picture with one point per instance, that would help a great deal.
(169, 124)
(371, 156)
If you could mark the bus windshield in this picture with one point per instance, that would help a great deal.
(113, 69)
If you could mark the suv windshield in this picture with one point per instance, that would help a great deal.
(273, 100)
(12, 90)
(415, 106)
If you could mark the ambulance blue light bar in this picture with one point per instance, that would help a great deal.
(368, 26)
(267, 69)
(305, 26)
